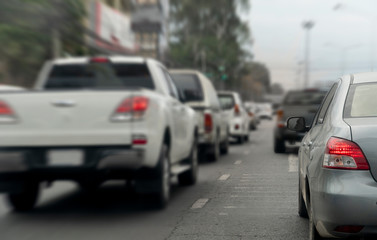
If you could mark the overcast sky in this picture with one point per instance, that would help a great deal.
(339, 38)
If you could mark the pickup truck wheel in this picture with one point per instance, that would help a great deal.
(224, 149)
(279, 146)
(254, 126)
(26, 200)
(240, 140)
(189, 177)
(163, 190)
(215, 154)
(247, 138)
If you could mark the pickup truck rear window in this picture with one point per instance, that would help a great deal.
(226, 101)
(304, 98)
(99, 76)
(361, 101)
(189, 85)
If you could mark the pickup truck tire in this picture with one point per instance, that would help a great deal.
(224, 148)
(190, 176)
(26, 200)
(215, 152)
(162, 194)
(247, 138)
(240, 140)
(279, 146)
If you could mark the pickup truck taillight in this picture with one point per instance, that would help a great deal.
(208, 124)
(132, 108)
(280, 118)
(7, 115)
(343, 154)
(237, 111)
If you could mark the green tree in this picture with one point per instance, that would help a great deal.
(255, 81)
(210, 35)
(277, 89)
(26, 28)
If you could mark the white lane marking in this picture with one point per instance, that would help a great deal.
(246, 174)
(224, 177)
(246, 152)
(293, 163)
(223, 214)
(238, 162)
(199, 203)
(230, 207)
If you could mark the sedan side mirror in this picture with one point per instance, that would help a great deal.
(297, 124)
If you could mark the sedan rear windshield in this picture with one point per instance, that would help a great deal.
(361, 101)
(189, 85)
(226, 101)
(304, 98)
(99, 76)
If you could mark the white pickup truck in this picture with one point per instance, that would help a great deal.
(94, 119)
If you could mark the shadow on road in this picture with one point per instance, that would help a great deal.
(109, 200)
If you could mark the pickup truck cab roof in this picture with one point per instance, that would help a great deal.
(154, 68)
(115, 59)
(204, 88)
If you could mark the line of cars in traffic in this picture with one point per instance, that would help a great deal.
(94, 119)
(337, 156)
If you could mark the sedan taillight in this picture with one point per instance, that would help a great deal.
(132, 108)
(344, 154)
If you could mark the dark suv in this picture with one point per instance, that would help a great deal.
(296, 103)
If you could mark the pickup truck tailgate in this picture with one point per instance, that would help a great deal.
(63, 118)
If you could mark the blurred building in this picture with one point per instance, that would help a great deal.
(109, 26)
(150, 20)
(135, 27)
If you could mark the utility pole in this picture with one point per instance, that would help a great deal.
(56, 44)
(204, 61)
(307, 25)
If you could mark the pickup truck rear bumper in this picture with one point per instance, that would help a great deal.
(18, 165)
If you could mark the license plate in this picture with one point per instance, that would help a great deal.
(72, 157)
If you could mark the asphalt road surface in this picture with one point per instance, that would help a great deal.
(249, 194)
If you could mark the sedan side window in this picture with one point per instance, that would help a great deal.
(325, 105)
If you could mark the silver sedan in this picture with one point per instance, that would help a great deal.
(338, 161)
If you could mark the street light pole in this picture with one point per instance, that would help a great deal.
(307, 25)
